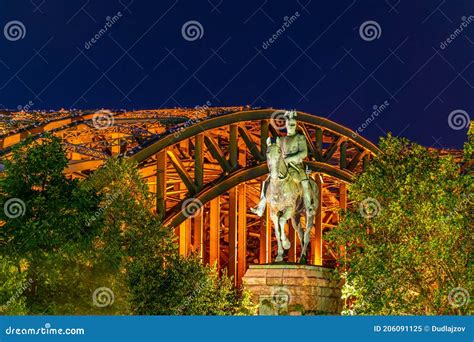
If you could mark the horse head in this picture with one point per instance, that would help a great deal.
(276, 164)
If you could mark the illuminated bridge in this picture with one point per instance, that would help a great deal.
(205, 167)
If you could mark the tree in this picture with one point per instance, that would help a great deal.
(44, 230)
(91, 247)
(129, 225)
(408, 237)
(126, 212)
(158, 279)
(183, 286)
(43, 210)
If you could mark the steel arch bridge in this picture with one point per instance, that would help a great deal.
(205, 168)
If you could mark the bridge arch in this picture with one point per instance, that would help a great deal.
(207, 174)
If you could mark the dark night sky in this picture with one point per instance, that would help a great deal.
(320, 64)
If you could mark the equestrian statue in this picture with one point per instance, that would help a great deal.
(289, 192)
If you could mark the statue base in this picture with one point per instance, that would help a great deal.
(293, 289)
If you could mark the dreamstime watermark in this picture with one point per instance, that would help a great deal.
(102, 297)
(288, 21)
(280, 297)
(14, 30)
(14, 208)
(465, 202)
(464, 24)
(369, 208)
(370, 30)
(17, 294)
(108, 201)
(458, 297)
(103, 119)
(200, 111)
(191, 207)
(192, 30)
(202, 286)
(26, 107)
(46, 330)
(377, 110)
(377, 290)
(110, 21)
(458, 119)
(278, 119)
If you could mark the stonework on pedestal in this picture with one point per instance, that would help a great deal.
(293, 289)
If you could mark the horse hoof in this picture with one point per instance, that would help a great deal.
(257, 211)
(286, 244)
(279, 258)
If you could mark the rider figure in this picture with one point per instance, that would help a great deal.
(294, 150)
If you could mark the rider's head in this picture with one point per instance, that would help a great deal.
(290, 122)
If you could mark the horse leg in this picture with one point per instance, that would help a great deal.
(295, 221)
(310, 214)
(276, 226)
(304, 245)
(307, 234)
(283, 219)
(262, 204)
(308, 195)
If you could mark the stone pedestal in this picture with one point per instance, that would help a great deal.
(292, 289)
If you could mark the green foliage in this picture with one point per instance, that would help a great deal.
(49, 235)
(72, 238)
(12, 292)
(159, 280)
(124, 219)
(126, 212)
(183, 286)
(412, 247)
(64, 285)
(53, 238)
(55, 208)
